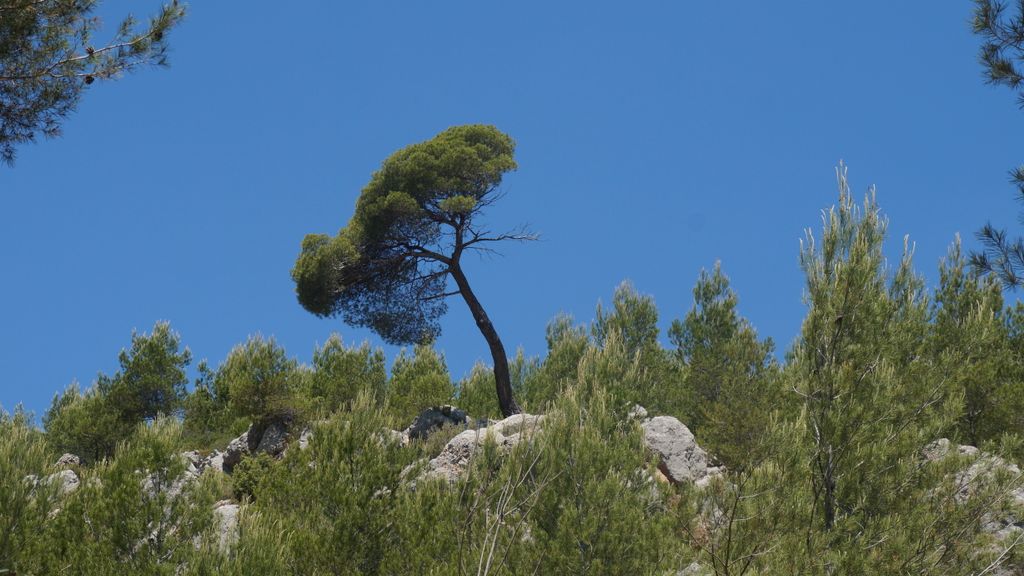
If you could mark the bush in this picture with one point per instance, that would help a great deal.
(340, 374)
(260, 380)
(247, 474)
(418, 382)
(86, 425)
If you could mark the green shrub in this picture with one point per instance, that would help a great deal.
(340, 374)
(260, 380)
(417, 382)
(247, 474)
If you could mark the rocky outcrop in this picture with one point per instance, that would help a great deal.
(433, 419)
(453, 460)
(1004, 522)
(225, 520)
(68, 460)
(273, 440)
(680, 458)
(214, 461)
(235, 451)
(66, 481)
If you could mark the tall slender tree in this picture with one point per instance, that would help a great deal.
(388, 269)
(871, 397)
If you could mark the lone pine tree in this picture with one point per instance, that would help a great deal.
(388, 269)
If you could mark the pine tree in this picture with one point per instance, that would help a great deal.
(730, 373)
(48, 58)
(970, 340)
(871, 397)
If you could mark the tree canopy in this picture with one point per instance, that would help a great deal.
(388, 269)
(1002, 58)
(48, 57)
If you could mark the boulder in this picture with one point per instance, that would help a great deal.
(273, 440)
(304, 438)
(236, 449)
(694, 569)
(215, 461)
(66, 481)
(194, 462)
(453, 460)
(433, 418)
(225, 519)
(517, 423)
(681, 459)
(68, 460)
(637, 412)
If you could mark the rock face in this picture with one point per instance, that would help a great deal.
(273, 440)
(433, 418)
(236, 449)
(215, 461)
(681, 458)
(451, 463)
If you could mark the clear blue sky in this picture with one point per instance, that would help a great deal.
(654, 138)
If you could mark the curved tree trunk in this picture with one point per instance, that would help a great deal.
(502, 380)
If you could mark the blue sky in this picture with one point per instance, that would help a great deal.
(654, 138)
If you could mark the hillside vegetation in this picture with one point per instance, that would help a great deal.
(886, 442)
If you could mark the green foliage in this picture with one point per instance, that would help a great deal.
(152, 377)
(386, 270)
(971, 343)
(85, 425)
(418, 382)
(48, 57)
(151, 382)
(633, 316)
(731, 386)
(25, 501)
(613, 370)
(208, 420)
(260, 380)
(1003, 36)
(1002, 57)
(567, 342)
(871, 397)
(125, 516)
(338, 512)
(340, 374)
(476, 393)
(247, 474)
(592, 507)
